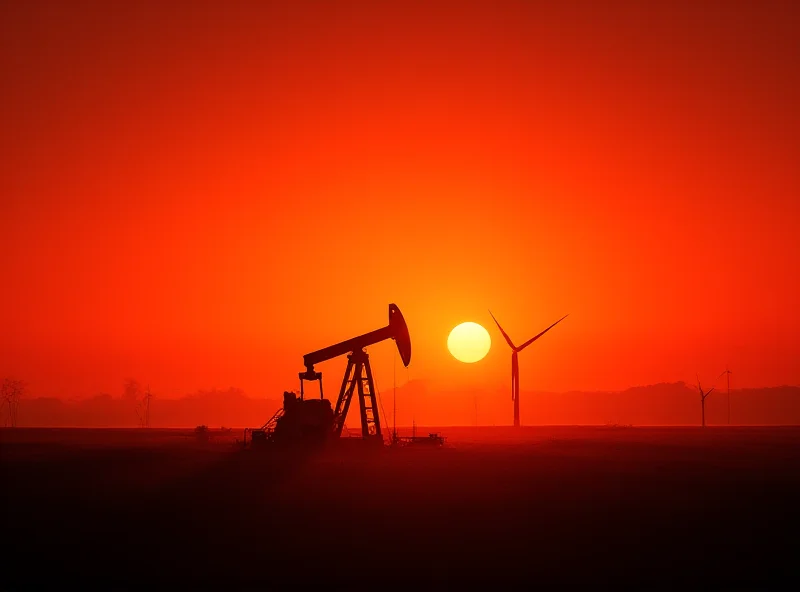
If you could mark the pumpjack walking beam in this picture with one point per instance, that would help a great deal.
(358, 376)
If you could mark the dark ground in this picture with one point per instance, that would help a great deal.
(603, 507)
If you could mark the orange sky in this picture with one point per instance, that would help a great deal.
(197, 196)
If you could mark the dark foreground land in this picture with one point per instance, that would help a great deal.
(604, 507)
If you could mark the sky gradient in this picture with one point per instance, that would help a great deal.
(197, 194)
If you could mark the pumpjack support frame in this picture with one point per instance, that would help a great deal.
(358, 378)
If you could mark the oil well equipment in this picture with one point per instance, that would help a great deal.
(312, 421)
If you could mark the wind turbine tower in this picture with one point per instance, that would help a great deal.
(703, 396)
(728, 372)
(515, 362)
(148, 396)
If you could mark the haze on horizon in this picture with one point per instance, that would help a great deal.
(196, 196)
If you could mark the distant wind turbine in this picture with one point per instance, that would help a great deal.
(728, 372)
(515, 362)
(703, 396)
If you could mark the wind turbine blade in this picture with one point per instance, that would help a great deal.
(700, 388)
(508, 339)
(532, 339)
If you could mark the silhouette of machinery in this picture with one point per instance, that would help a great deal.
(304, 420)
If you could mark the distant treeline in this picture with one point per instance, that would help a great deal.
(659, 404)
(670, 404)
(216, 408)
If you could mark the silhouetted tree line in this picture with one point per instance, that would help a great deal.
(659, 404)
(11, 391)
(214, 407)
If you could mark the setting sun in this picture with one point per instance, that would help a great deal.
(469, 342)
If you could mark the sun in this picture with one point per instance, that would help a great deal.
(469, 342)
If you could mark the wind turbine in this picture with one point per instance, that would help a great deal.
(515, 362)
(703, 396)
(728, 372)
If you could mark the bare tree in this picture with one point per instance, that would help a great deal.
(143, 408)
(11, 391)
(132, 393)
(703, 396)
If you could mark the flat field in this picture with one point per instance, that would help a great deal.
(596, 506)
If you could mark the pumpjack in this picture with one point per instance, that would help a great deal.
(302, 420)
